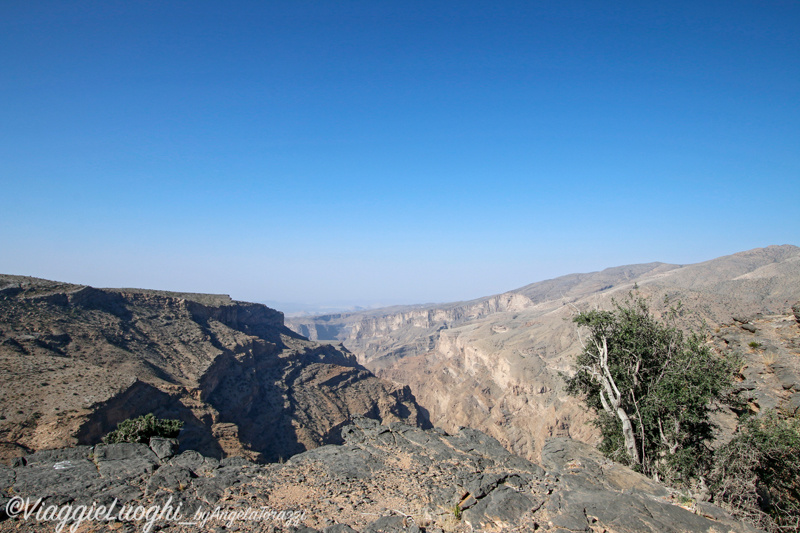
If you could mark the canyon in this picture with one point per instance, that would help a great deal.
(439, 417)
(494, 363)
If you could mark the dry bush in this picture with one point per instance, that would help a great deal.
(755, 476)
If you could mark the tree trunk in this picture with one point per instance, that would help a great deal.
(627, 432)
(615, 397)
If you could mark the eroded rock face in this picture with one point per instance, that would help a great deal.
(769, 349)
(383, 478)
(493, 363)
(78, 360)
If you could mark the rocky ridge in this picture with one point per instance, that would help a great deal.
(383, 478)
(78, 360)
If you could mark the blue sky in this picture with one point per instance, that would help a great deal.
(380, 152)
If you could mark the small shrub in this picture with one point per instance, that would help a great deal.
(755, 474)
(141, 429)
(685, 501)
(754, 345)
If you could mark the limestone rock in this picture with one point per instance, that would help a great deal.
(602, 495)
(493, 363)
(163, 448)
(383, 478)
(78, 360)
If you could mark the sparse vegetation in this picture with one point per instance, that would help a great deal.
(652, 387)
(457, 511)
(141, 429)
(755, 475)
(769, 359)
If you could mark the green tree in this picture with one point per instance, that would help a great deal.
(141, 429)
(653, 388)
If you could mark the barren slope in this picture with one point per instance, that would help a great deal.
(77, 360)
(492, 364)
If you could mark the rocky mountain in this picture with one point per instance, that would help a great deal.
(383, 478)
(493, 363)
(77, 360)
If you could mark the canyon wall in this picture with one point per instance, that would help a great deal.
(78, 360)
(494, 364)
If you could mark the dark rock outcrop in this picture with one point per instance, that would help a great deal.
(383, 478)
(598, 493)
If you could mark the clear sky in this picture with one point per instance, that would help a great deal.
(380, 152)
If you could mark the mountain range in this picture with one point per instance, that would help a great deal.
(391, 419)
(493, 363)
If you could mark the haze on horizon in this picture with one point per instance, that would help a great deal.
(343, 153)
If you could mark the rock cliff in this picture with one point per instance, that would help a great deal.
(78, 360)
(493, 364)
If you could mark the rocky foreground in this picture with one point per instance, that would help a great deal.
(383, 478)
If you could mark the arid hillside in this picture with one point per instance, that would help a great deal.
(77, 360)
(493, 364)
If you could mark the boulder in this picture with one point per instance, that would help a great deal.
(163, 448)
